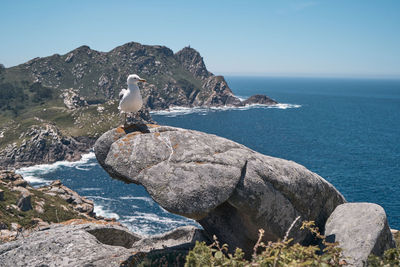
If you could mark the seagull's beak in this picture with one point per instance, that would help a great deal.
(142, 80)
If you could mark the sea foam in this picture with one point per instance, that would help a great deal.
(33, 173)
(105, 212)
(180, 111)
(147, 224)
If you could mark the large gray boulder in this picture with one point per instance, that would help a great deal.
(360, 229)
(68, 245)
(95, 244)
(231, 190)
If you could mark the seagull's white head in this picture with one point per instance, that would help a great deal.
(134, 79)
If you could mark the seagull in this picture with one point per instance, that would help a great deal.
(130, 99)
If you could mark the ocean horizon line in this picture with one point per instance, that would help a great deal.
(306, 76)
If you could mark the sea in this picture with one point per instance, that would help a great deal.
(345, 130)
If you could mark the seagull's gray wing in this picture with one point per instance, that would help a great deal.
(122, 93)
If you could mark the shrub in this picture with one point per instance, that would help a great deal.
(280, 253)
(391, 257)
(41, 93)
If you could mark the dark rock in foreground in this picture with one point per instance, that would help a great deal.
(231, 190)
(360, 229)
(94, 244)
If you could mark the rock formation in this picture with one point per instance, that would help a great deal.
(72, 100)
(43, 144)
(84, 243)
(231, 190)
(259, 99)
(360, 229)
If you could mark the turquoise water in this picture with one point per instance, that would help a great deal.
(346, 130)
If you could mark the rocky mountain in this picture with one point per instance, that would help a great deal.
(53, 108)
(174, 79)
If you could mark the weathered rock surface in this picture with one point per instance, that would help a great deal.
(72, 100)
(92, 244)
(43, 144)
(180, 238)
(71, 245)
(223, 185)
(360, 229)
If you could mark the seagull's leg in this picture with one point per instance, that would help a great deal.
(123, 114)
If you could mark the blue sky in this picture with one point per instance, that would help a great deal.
(285, 37)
